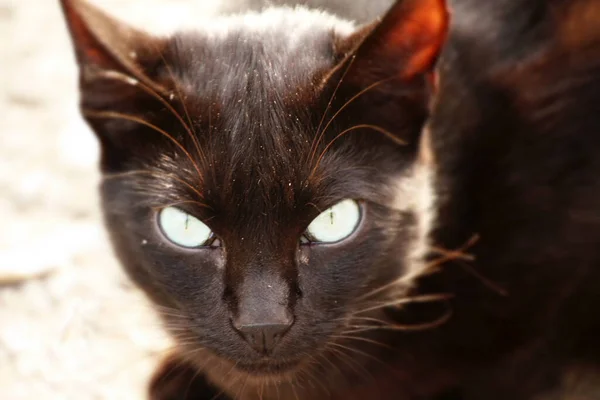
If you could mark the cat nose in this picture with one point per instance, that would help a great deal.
(263, 337)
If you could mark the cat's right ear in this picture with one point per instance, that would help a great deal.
(404, 44)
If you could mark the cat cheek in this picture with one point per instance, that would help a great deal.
(219, 258)
(415, 193)
(303, 255)
(426, 155)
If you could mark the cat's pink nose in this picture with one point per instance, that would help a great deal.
(263, 337)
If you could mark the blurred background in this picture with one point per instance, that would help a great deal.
(71, 325)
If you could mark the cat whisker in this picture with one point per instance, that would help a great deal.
(157, 174)
(220, 392)
(341, 171)
(183, 335)
(298, 376)
(176, 328)
(302, 374)
(189, 387)
(355, 318)
(484, 280)
(172, 76)
(454, 254)
(343, 359)
(362, 328)
(402, 280)
(451, 255)
(340, 348)
(447, 256)
(240, 391)
(173, 319)
(141, 121)
(321, 134)
(344, 335)
(427, 298)
(318, 131)
(260, 390)
(176, 203)
(185, 110)
(276, 388)
(366, 355)
(165, 309)
(470, 269)
(237, 379)
(183, 357)
(116, 75)
(177, 362)
(293, 386)
(312, 377)
(333, 365)
(392, 326)
(344, 132)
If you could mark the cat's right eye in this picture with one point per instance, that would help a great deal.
(183, 229)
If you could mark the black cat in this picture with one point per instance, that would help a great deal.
(267, 184)
(262, 184)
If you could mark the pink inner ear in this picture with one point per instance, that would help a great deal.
(420, 33)
(579, 22)
(86, 45)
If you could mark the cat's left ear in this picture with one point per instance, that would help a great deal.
(119, 80)
(103, 43)
(404, 44)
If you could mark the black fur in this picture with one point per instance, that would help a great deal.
(226, 124)
(515, 132)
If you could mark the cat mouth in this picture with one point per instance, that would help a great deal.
(268, 367)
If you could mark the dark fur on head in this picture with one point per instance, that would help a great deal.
(254, 125)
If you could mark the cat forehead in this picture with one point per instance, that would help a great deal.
(288, 24)
(281, 48)
(246, 77)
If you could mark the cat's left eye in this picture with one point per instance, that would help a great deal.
(334, 224)
(183, 229)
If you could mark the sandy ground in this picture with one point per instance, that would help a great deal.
(71, 325)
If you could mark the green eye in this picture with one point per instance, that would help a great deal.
(183, 229)
(336, 223)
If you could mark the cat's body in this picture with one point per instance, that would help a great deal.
(515, 134)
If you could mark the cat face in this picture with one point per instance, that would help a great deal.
(260, 175)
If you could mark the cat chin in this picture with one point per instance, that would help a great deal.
(269, 369)
(220, 368)
(228, 374)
